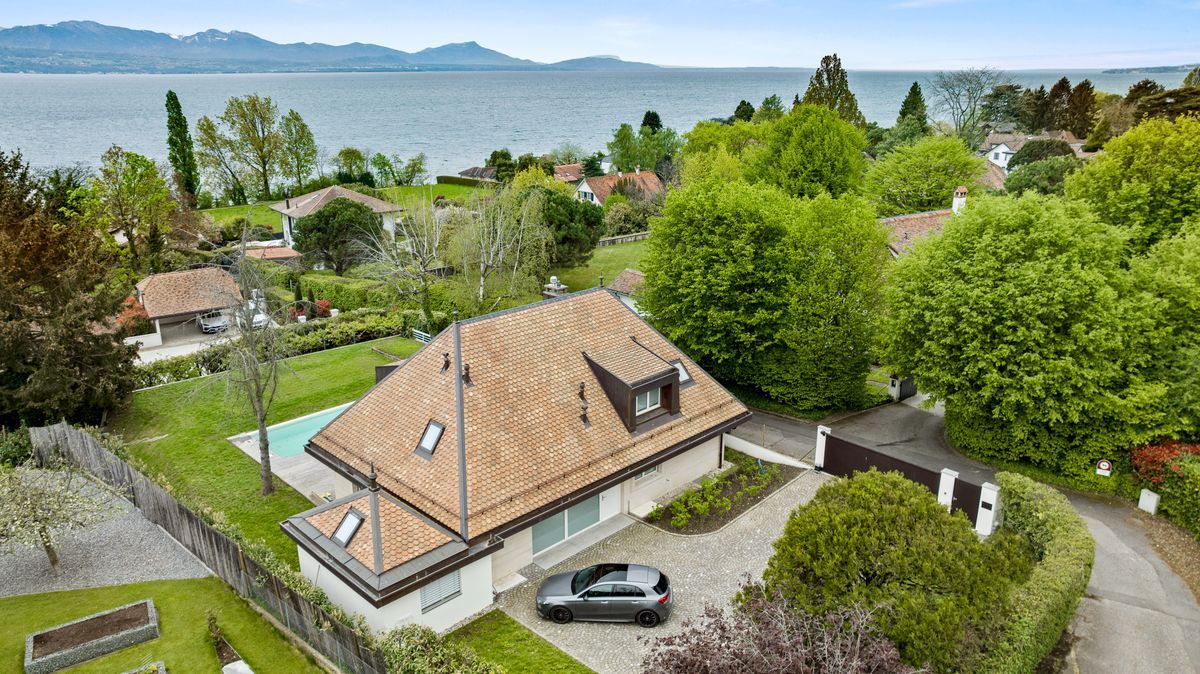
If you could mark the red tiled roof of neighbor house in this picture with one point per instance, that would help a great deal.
(627, 282)
(993, 177)
(527, 446)
(603, 186)
(568, 173)
(277, 253)
(307, 204)
(193, 291)
(907, 229)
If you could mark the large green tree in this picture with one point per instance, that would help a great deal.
(652, 120)
(921, 176)
(1035, 110)
(575, 227)
(181, 152)
(878, 539)
(643, 148)
(1081, 106)
(338, 234)
(1146, 181)
(744, 111)
(769, 292)
(1057, 115)
(960, 95)
(1018, 317)
(131, 203)
(1003, 105)
(246, 137)
(59, 357)
(1046, 176)
(830, 87)
(298, 148)
(913, 107)
(1039, 149)
(808, 151)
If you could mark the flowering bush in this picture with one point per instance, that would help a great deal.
(1153, 461)
(323, 307)
(133, 318)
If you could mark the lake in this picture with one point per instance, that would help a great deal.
(454, 118)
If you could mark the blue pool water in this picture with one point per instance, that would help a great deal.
(289, 438)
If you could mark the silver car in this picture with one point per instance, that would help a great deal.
(607, 593)
(213, 322)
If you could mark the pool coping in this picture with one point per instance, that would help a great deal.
(253, 434)
(300, 471)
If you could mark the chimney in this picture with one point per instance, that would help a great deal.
(960, 200)
(287, 203)
(620, 174)
(554, 288)
(637, 170)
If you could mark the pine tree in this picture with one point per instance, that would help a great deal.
(1035, 110)
(1059, 100)
(914, 107)
(744, 111)
(1192, 79)
(652, 120)
(829, 87)
(180, 151)
(1080, 106)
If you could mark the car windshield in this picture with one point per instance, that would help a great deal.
(583, 579)
(593, 574)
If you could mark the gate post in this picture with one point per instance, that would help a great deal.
(989, 504)
(946, 487)
(819, 455)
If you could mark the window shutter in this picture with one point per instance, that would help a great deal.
(443, 588)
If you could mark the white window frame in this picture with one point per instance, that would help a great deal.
(438, 592)
(649, 472)
(637, 403)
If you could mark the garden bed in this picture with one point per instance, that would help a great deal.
(722, 499)
(90, 637)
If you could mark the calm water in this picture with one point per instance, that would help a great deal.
(289, 438)
(454, 118)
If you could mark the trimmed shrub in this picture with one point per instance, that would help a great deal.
(1181, 493)
(15, 446)
(1041, 607)
(417, 649)
(348, 294)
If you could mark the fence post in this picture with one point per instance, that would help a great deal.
(946, 487)
(819, 453)
(989, 508)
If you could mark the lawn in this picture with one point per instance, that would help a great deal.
(183, 644)
(260, 214)
(505, 641)
(410, 195)
(609, 260)
(179, 431)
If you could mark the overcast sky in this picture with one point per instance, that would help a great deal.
(875, 34)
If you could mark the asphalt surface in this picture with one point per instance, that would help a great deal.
(1137, 616)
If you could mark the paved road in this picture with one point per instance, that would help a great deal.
(1138, 616)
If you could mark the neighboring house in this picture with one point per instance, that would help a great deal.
(292, 209)
(907, 229)
(484, 173)
(993, 177)
(598, 189)
(280, 254)
(606, 163)
(999, 148)
(568, 173)
(174, 300)
(626, 284)
(568, 412)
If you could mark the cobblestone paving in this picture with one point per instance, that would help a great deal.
(702, 568)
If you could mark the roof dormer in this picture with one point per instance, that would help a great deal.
(640, 385)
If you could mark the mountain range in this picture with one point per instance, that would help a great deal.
(87, 47)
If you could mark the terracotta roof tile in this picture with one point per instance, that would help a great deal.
(526, 446)
(631, 363)
(907, 229)
(403, 535)
(603, 186)
(628, 282)
(307, 204)
(193, 291)
(568, 173)
(283, 253)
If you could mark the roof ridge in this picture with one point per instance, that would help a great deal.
(532, 305)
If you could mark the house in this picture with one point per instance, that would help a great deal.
(275, 253)
(998, 149)
(173, 301)
(606, 163)
(907, 229)
(292, 209)
(597, 189)
(568, 173)
(626, 284)
(505, 436)
(484, 173)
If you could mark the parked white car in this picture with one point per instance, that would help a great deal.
(258, 315)
(212, 322)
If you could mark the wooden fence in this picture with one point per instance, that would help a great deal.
(624, 238)
(225, 557)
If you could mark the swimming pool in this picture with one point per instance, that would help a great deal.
(289, 438)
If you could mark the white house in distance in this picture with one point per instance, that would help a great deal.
(626, 284)
(999, 148)
(597, 189)
(292, 209)
(506, 436)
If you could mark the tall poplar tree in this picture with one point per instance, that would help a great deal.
(829, 87)
(180, 152)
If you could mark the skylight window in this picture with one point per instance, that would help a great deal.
(433, 433)
(684, 377)
(650, 400)
(348, 527)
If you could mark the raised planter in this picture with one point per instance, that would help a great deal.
(90, 637)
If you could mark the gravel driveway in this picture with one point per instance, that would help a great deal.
(702, 568)
(125, 548)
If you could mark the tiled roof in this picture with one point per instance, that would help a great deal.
(907, 229)
(630, 362)
(628, 282)
(480, 173)
(307, 204)
(603, 186)
(993, 177)
(273, 253)
(403, 534)
(193, 291)
(526, 445)
(1015, 141)
(568, 173)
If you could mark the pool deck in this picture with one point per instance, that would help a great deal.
(303, 473)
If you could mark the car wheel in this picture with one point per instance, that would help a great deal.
(560, 615)
(647, 619)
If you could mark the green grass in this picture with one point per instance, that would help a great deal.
(879, 376)
(609, 260)
(183, 644)
(410, 195)
(505, 641)
(179, 431)
(260, 214)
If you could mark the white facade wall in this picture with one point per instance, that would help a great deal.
(673, 474)
(476, 595)
(516, 554)
(585, 193)
(1000, 155)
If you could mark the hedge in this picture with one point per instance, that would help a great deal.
(1180, 490)
(299, 338)
(348, 294)
(1041, 607)
(468, 182)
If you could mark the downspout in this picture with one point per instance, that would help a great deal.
(462, 438)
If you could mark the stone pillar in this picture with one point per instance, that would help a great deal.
(819, 455)
(946, 487)
(989, 509)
